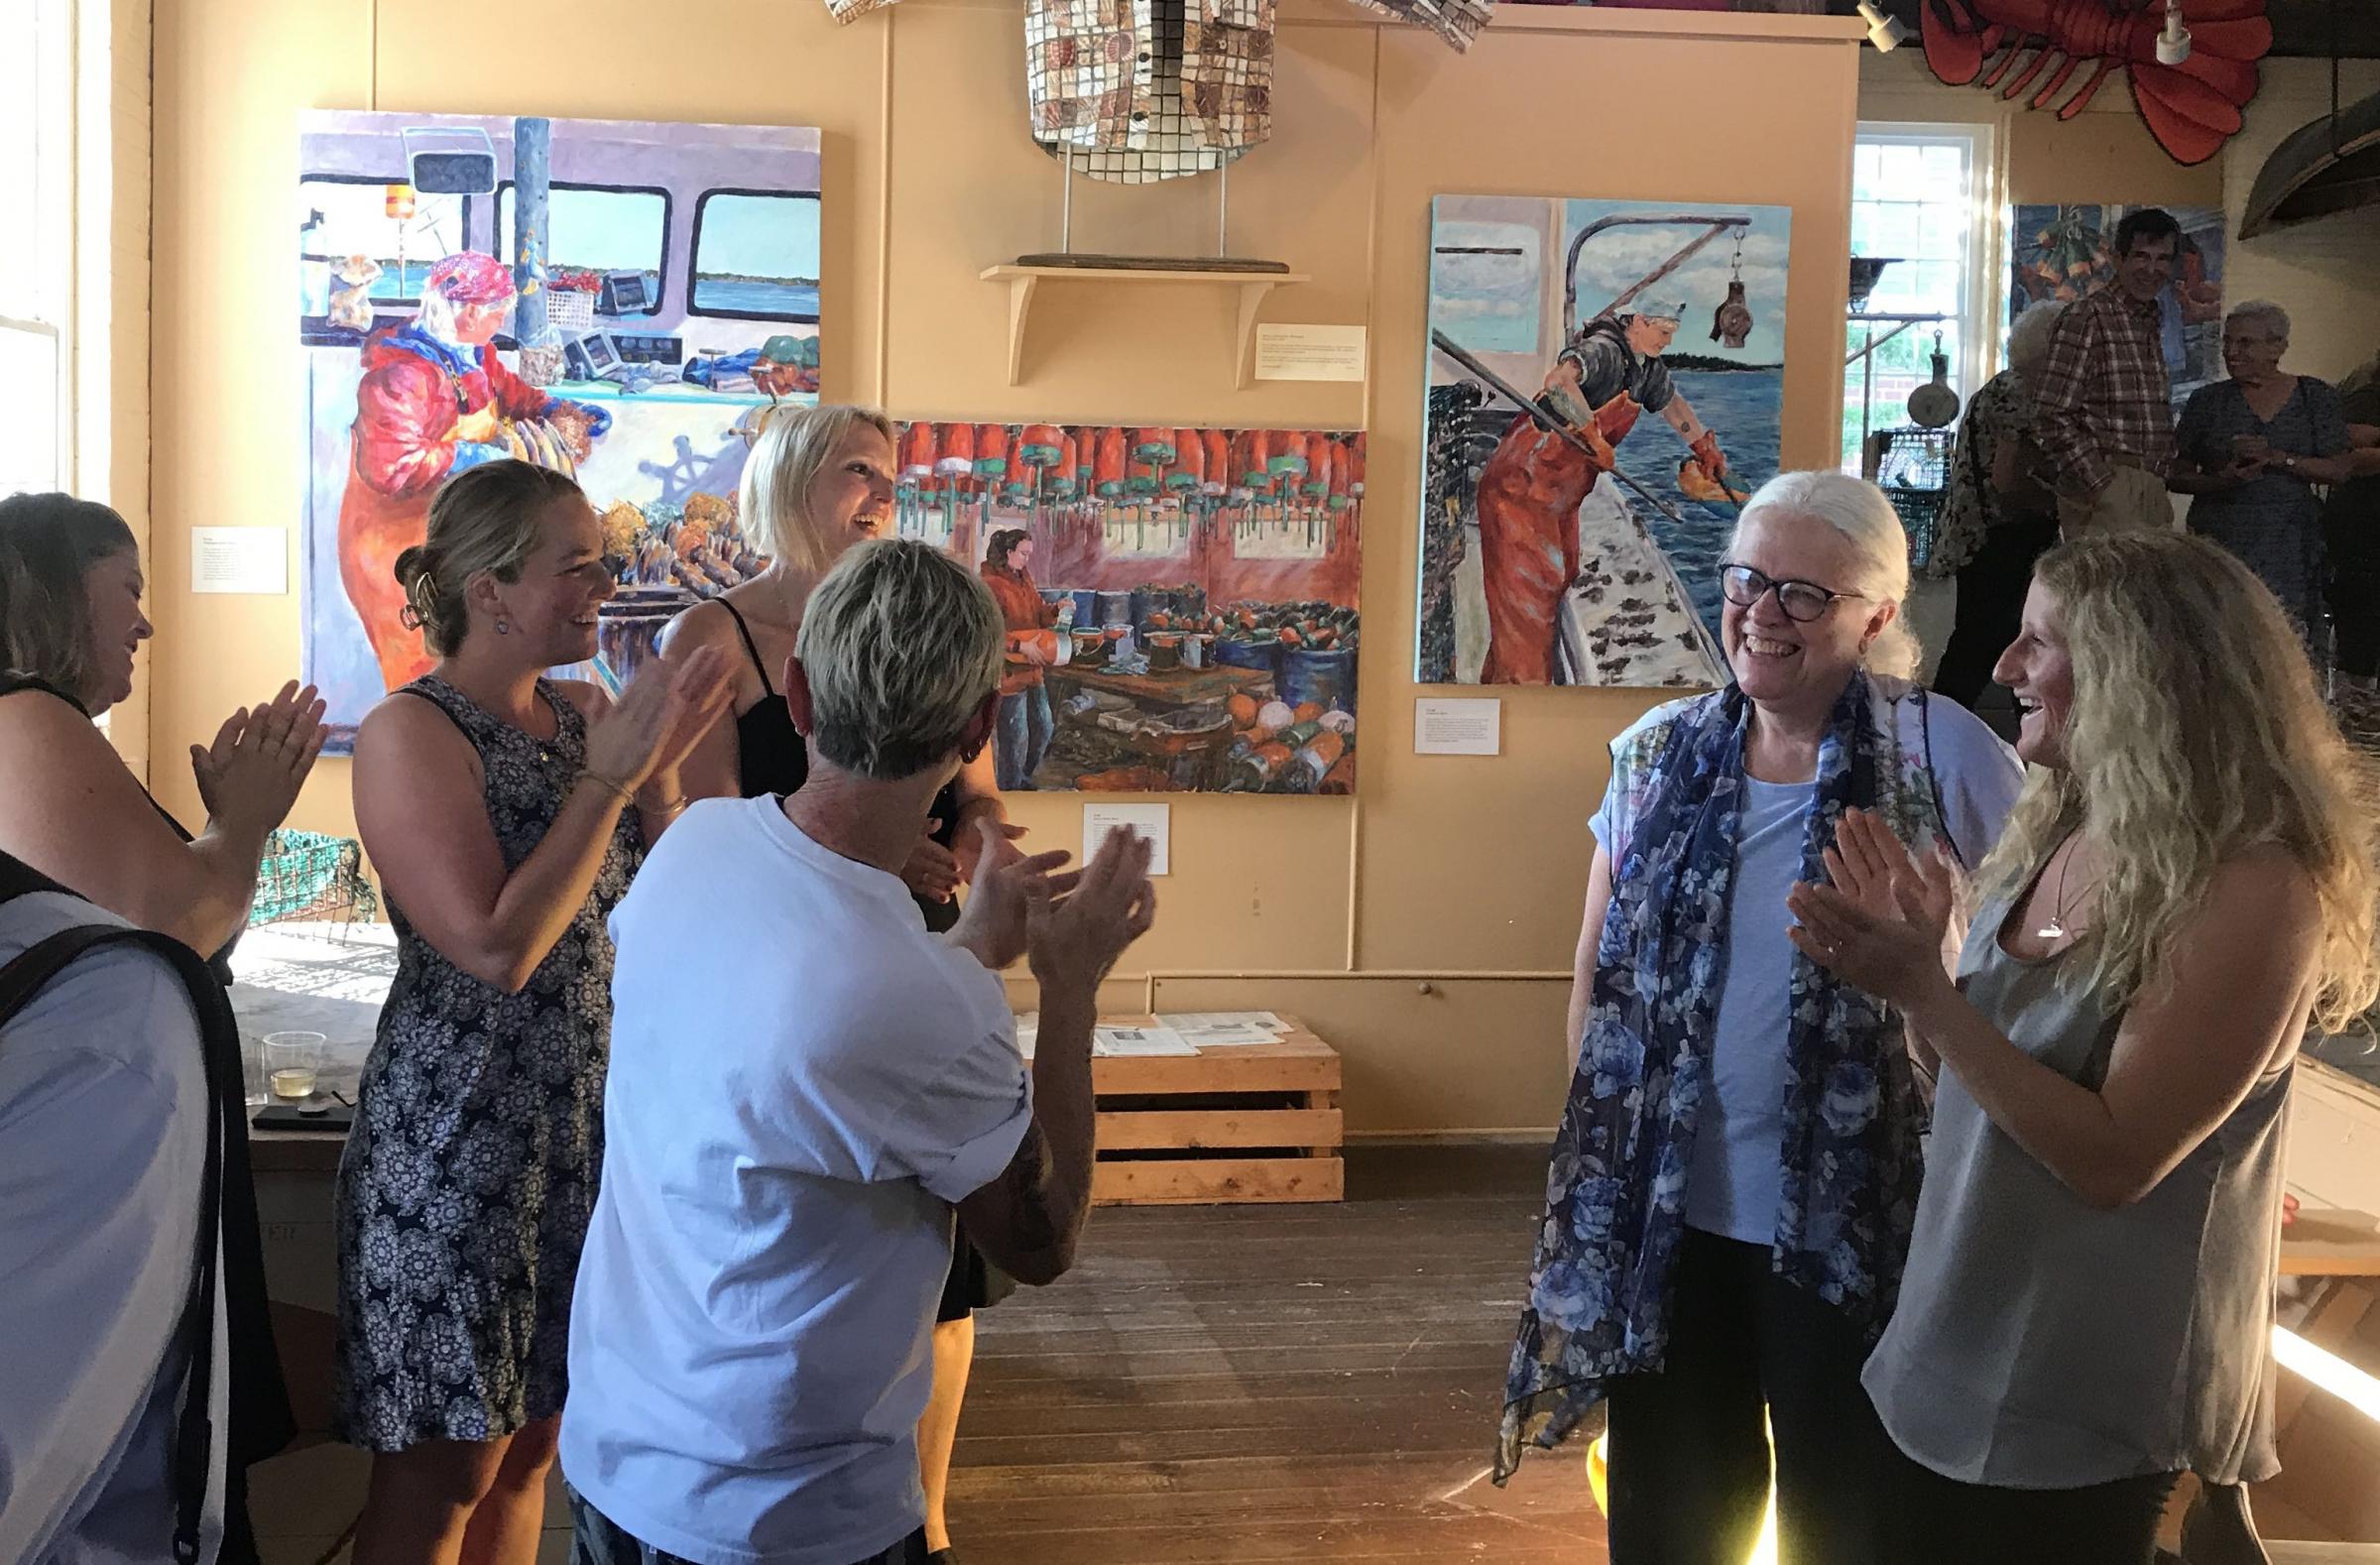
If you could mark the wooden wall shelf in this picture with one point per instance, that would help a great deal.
(1024, 281)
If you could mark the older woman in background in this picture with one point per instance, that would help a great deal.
(1998, 519)
(1736, 1170)
(2190, 884)
(2247, 450)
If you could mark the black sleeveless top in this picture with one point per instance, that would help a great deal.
(11, 683)
(772, 758)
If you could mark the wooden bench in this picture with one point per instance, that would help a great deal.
(1252, 1123)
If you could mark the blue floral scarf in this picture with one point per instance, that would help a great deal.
(1600, 1291)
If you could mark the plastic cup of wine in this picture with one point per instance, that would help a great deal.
(293, 1061)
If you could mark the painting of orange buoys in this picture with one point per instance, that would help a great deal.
(1181, 603)
(615, 299)
(1605, 387)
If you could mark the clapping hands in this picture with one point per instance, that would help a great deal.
(1882, 922)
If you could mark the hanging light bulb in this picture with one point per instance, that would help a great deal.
(1885, 32)
(2173, 44)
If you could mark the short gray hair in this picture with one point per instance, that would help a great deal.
(773, 502)
(1858, 511)
(900, 644)
(2029, 338)
(2273, 319)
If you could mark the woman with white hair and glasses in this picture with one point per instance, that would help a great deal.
(2249, 450)
(1736, 1170)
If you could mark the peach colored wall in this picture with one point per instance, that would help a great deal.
(1425, 925)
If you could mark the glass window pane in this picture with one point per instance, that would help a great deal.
(20, 155)
(599, 231)
(1895, 231)
(1903, 173)
(28, 413)
(1866, 165)
(1941, 233)
(1946, 167)
(1936, 283)
(756, 257)
(391, 225)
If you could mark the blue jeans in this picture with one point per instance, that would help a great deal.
(1026, 727)
(596, 1539)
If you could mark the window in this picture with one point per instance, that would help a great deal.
(756, 256)
(600, 229)
(387, 222)
(37, 286)
(1922, 197)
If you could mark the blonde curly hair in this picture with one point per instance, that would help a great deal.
(2196, 734)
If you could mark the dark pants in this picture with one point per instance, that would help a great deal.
(1954, 1523)
(1992, 605)
(2354, 587)
(596, 1539)
(1688, 1459)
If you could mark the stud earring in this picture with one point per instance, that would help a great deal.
(503, 627)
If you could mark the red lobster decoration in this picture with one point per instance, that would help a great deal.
(2192, 108)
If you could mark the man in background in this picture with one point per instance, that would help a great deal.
(2102, 410)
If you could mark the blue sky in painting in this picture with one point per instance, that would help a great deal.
(1615, 258)
(760, 236)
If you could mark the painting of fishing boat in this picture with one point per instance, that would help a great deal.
(615, 299)
(1605, 388)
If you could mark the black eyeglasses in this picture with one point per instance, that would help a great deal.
(1802, 601)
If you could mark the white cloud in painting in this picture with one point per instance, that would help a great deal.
(1615, 258)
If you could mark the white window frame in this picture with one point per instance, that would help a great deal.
(46, 310)
(1983, 313)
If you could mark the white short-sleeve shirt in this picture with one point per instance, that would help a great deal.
(802, 1082)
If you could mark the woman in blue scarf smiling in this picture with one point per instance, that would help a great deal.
(1734, 1183)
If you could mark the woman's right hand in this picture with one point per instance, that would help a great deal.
(249, 777)
(658, 719)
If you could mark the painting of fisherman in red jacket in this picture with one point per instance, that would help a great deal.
(434, 400)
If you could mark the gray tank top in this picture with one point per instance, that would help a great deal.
(2040, 1344)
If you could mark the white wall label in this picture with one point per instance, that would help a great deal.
(1470, 726)
(240, 560)
(1152, 822)
(1309, 353)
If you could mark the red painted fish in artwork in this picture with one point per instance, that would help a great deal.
(2192, 108)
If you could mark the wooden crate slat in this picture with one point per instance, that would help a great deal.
(1236, 1070)
(1159, 1182)
(1144, 1130)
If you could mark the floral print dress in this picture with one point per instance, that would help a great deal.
(469, 1178)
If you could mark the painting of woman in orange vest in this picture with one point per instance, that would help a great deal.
(434, 400)
(1531, 488)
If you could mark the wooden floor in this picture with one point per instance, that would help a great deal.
(1253, 1384)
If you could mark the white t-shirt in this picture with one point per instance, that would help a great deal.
(103, 1121)
(802, 1082)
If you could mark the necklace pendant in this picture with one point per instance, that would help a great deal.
(2055, 929)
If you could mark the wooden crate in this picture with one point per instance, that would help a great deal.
(1254, 1124)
